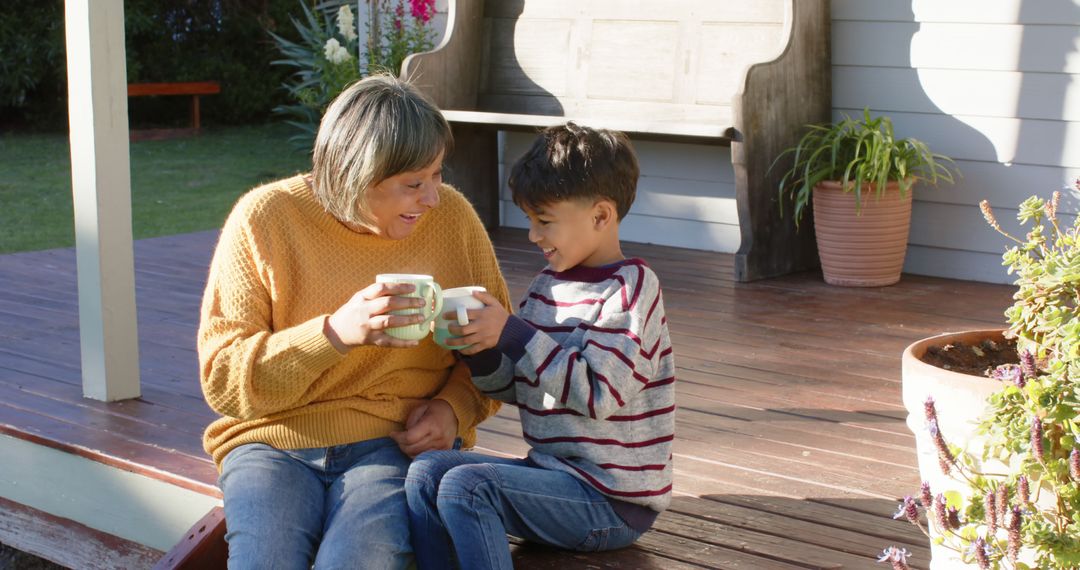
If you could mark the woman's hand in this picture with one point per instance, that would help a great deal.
(431, 425)
(484, 328)
(366, 316)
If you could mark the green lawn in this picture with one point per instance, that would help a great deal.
(179, 185)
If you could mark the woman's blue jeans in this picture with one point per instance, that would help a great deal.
(466, 503)
(336, 507)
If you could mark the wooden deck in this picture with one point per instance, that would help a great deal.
(791, 448)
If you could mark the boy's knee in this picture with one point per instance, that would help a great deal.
(469, 482)
(426, 471)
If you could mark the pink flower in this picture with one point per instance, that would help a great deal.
(1023, 492)
(896, 557)
(1037, 439)
(422, 10)
(909, 510)
(990, 504)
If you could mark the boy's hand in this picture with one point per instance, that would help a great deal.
(485, 325)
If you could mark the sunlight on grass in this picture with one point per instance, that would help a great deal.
(181, 185)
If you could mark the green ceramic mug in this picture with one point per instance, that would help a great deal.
(457, 301)
(426, 289)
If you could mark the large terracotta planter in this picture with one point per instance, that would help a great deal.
(960, 400)
(865, 249)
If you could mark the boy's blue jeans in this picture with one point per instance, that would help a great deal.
(466, 503)
(339, 507)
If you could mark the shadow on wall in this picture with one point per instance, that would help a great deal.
(987, 84)
(1007, 81)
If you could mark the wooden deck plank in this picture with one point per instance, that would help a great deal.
(791, 447)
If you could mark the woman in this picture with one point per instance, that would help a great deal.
(322, 409)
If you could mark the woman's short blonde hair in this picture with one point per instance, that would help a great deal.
(378, 127)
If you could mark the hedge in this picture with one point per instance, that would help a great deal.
(166, 40)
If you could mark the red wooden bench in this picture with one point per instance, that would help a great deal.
(194, 89)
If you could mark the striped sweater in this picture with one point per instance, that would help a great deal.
(588, 361)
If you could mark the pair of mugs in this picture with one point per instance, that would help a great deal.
(436, 302)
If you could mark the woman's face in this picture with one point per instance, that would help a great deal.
(396, 204)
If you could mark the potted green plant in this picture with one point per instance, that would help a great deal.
(861, 242)
(1000, 456)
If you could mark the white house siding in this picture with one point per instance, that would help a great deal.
(995, 85)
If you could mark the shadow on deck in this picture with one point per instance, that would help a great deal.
(791, 447)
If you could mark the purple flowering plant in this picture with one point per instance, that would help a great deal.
(1023, 509)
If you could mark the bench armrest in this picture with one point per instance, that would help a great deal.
(450, 73)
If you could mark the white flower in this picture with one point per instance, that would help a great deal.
(346, 23)
(335, 52)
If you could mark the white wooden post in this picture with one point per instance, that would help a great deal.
(101, 185)
(366, 18)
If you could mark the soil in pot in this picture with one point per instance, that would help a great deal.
(975, 359)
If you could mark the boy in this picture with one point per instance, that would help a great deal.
(587, 360)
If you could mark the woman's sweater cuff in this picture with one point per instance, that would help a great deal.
(316, 352)
(469, 405)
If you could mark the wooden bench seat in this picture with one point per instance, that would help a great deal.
(194, 89)
(653, 130)
(741, 73)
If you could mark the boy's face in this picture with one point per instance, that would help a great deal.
(567, 233)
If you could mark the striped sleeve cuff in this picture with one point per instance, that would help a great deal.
(483, 363)
(515, 335)
(469, 405)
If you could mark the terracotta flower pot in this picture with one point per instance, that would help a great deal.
(960, 401)
(865, 249)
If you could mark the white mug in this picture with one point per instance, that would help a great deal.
(458, 301)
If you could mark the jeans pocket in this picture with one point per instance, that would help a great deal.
(609, 538)
(596, 541)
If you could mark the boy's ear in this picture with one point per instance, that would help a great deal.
(604, 213)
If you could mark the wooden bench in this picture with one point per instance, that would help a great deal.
(194, 89)
(746, 74)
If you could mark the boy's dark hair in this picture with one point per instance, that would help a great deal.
(572, 162)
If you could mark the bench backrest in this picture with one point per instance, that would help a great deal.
(677, 61)
(749, 73)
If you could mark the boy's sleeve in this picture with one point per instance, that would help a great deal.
(617, 357)
(493, 375)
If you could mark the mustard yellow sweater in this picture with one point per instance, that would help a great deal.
(281, 267)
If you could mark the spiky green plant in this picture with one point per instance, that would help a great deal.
(863, 154)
